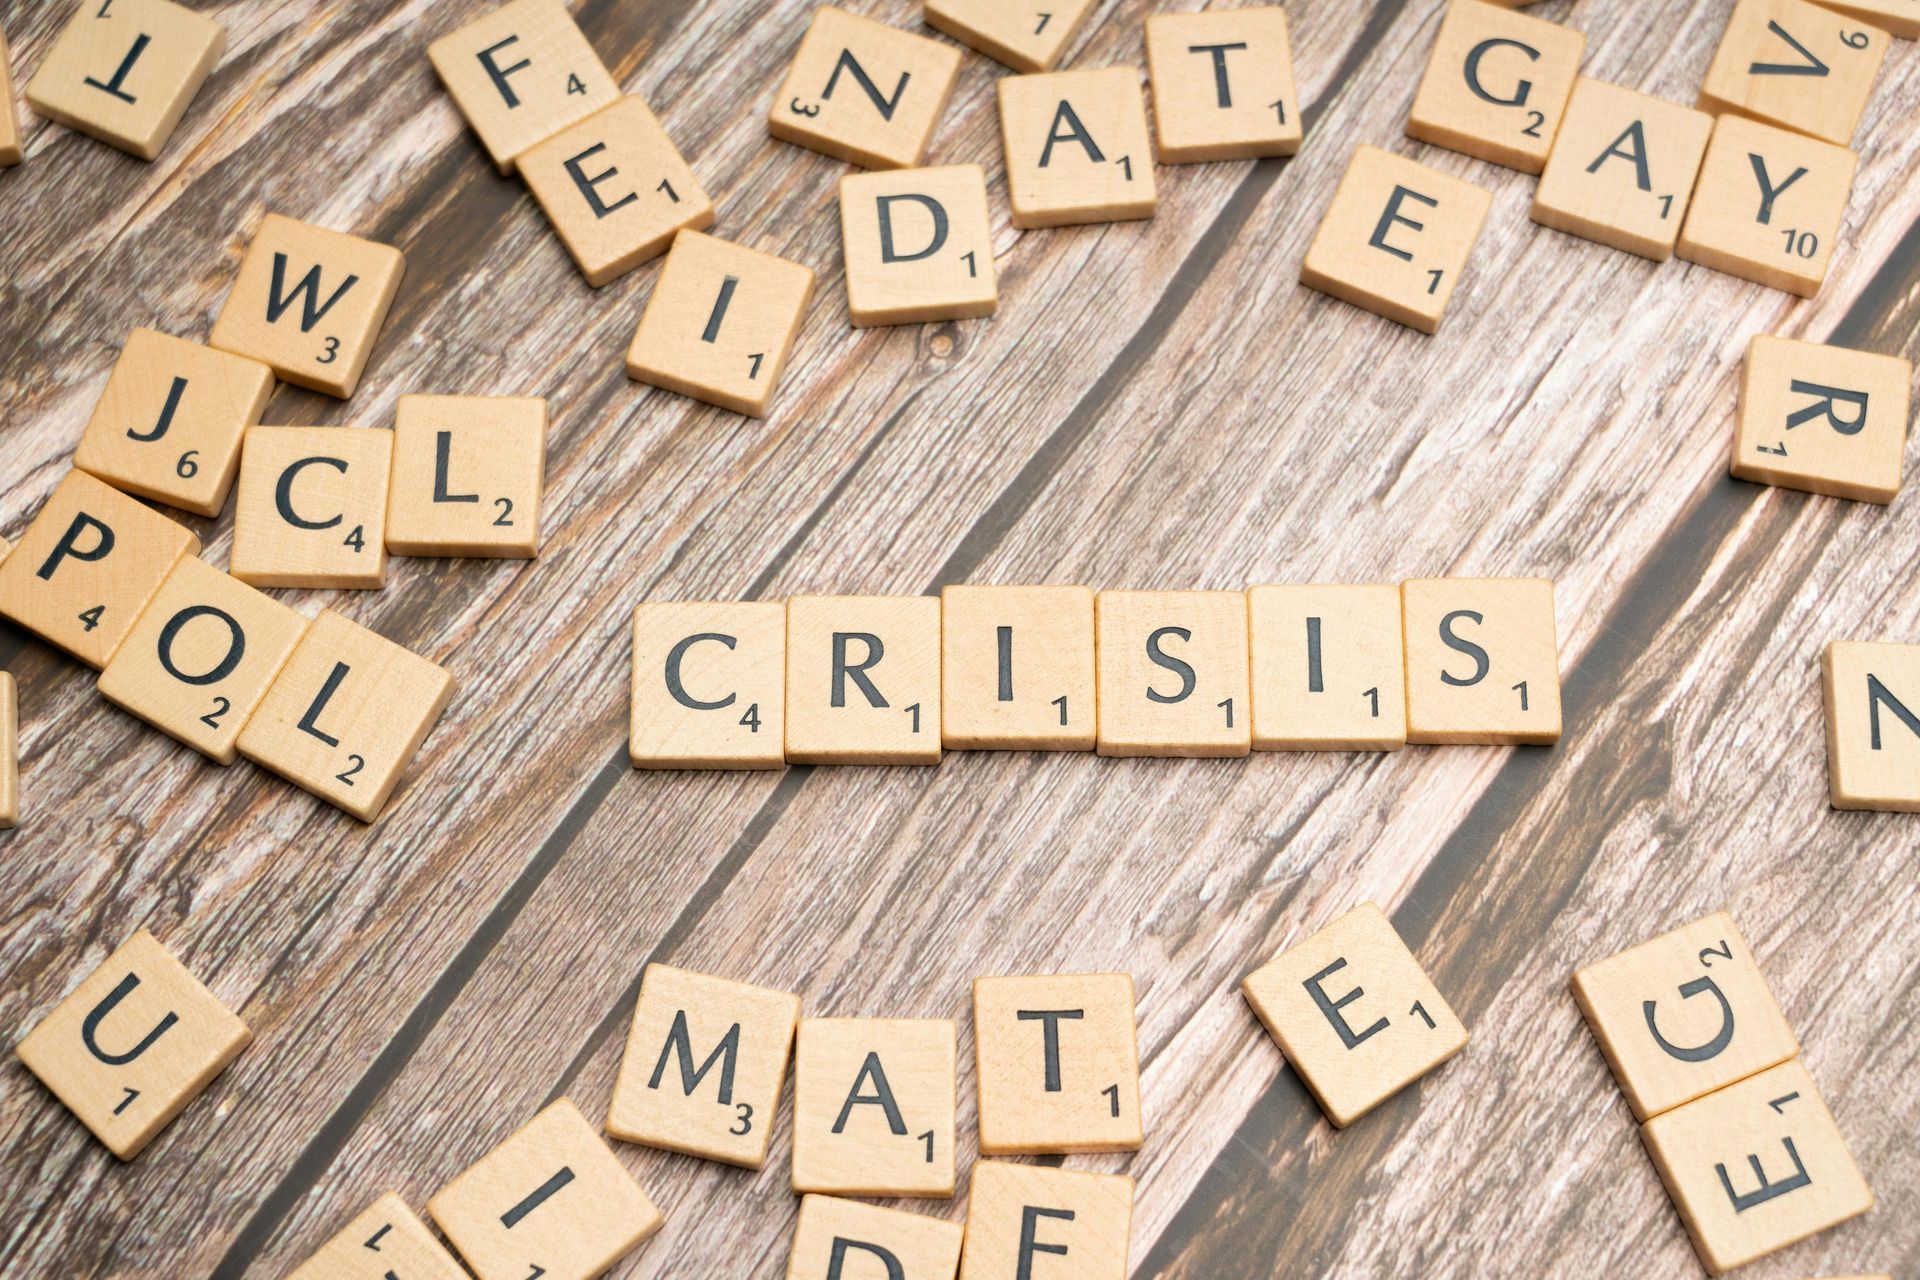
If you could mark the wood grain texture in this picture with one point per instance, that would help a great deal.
(1155, 405)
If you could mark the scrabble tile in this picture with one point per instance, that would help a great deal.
(10, 145)
(615, 189)
(124, 71)
(87, 566)
(864, 92)
(1756, 1167)
(1768, 205)
(1355, 1014)
(1796, 65)
(720, 323)
(1873, 725)
(309, 304)
(918, 244)
(385, 1240)
(1683, 1014)
(709, 686)
(1172, 673)
(552, 1201)
(171, 420)
(706, 1060)
(1396, 238)
(312, 508)
(1076, 147)
(9, 753)
(201, 657)
(863, 680)
(467, 475)
(520, 75)
(134, 1043)
(1824, 419)
(1896, 17)
(1328, 668)
(1016, 668)
(1027, 35)
(1622, 169)
(836, 1238)
(873, 1106)
(346, 714)
(1496, 86)
(1222, 85)
(1031, 1221)
(1483, 660)
(1058, 1066)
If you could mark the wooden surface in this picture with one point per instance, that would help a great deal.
(1157, 404)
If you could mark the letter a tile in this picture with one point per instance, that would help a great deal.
(1683, 1014)
(387, 1239)
(1029, 1221)
(1059, 1069)
(137, 1041)
(1769, 206)
(839, 1239)
(1355, 1014)
(705, 1062)
(1873, 725)
(918, 244)
(346, 715)
(709, 685)
(1076, 148)
(1496, 86)
(1222, 85)
(1796, 65)
(1756, 1167)
(309, 303)
(124, 72)
(873, 1106)
(864, 92)
(552, 1201)
(520, 75)
(1622, 171)
(863, 680)
(1824, 419)
(1396, 238)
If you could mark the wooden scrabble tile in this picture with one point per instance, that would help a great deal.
(709, 686)
(1496, 86)
(309, 304)
(170, 422)
(1058, 1066)
(1896, 17)
(873, 1106)
(616, 190)
(1027, 35)
(11, 152)
(385, 1240)
(1016, 668)
(705, 1062)
(124, 71)
(87, 566)
(1824, 419)
(1172, 673)
(863, 680)
(1396, 238)
(1873, 725)
(201, 657)
(836, 1238)
(312, 507)
(346, 714)
(1797, 65)
(918, 244)
(720, 323)
(1076, 147)
(134, 1043)
(1222, 85)
(864, 92)
(467, 476)
(1355, 1014)
(9, 753)
(520, 75)
(1328, 669)
(1031, 1221)
(1622, 169)
(1483, 660)
(1768, 205)
(1683, 1014)
(1756, 1167)
(551, 1201)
